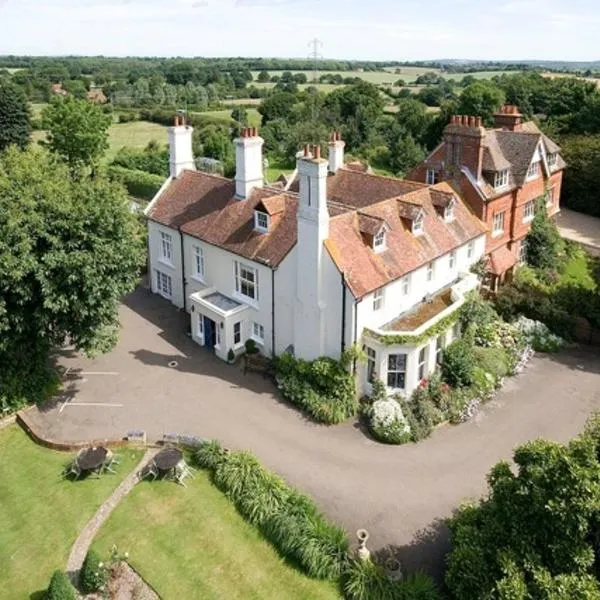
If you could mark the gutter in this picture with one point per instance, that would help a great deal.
(273, 312)
(355, 334)
(183, 279)
(343, 341)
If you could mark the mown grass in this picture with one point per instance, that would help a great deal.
(192, 543)
(254, 117)
(41, 513)
(579, 271)
(136, 134)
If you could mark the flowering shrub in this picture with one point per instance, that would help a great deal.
(387, 422)
(93, 575)
(538, 336)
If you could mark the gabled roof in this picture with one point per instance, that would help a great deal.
(369, 224)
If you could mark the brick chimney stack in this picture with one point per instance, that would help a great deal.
(464, 148)
(248, 162)
(336, 152)
(181, 156)
(508, 118)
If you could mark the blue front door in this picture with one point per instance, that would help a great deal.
(210, 334)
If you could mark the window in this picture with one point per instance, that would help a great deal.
(422, 362)
(552, 159)
(405, 283)
(452, 261)
(218, 333)
(417, 226)
(396, 376)
(456, 331)
(261, 221)
(201, 326)
(430, 272)
(379, 240)
(164, 285)
(528, 211)
(432, 176)
(501, 178)
(166, 246)
(199, 262)
(470, 249)
(455, 153)
(550, 196)
(449, 211)
(534, 170)
(498, 224)
(440, 342)
(246, 281)
(522, 258)
(237, 333)
(258, 332)
(378, 300)
(371, 362)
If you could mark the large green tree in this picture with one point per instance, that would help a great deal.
(580, 184)
(535, 536)
(481, 99)
(544, 244)
(15, 127)
(77, 131)
(69, 250)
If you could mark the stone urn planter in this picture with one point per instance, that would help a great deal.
(363, 551)
(393, 569)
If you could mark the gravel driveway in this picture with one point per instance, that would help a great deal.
(398, 493)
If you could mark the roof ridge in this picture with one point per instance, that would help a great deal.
(213, 175)
(417, 184)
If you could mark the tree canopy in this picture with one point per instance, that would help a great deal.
(69, 250)
(77, 131)
(544, 243)
(15, 127)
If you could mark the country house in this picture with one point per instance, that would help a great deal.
(334, 257)
(502, 173)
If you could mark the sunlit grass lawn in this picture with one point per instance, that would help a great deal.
(579, 271)
(192, 543)
(136, 134)
(41, 514)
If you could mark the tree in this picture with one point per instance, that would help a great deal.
(263, 77)
(60, 587)
(544, 244)
(240, 115)
(481, 99)
(582, 155)
(15, 126)
(69, 251)
(77, 131)
(531, 538)
(277, 106)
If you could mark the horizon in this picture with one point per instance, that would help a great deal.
(381, 31)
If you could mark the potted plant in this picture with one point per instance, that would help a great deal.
(230, 356)
(251, 347)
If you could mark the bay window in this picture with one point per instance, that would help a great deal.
(396, 376)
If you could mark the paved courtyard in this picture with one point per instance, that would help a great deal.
(581, 228)
(398, 493)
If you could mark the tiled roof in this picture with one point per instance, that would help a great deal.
(204, 206)
(366, 271)
(369, 224)
(501, 260)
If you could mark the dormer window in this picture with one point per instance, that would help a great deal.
(501, 179)
(261, 221)
(449, 211)
(379, 241)
(534, 170)
(552, 159)
(417, 225)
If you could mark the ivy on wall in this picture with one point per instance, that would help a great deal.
(414, 340)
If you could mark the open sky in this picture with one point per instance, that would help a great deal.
(359, 29)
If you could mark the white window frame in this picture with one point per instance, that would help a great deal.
(552, 159)
(522, 256)
(498, 223)
(241, 281)
(396, 371)
(440, 345)
(550, 196)
(371, 364)
(166, 247)
(500, 179)
(379, 240)
(378, 299)
(422, 363)
(200, 328)
(198, 263)
(258, 333)
(164, 284)
(430, 271)
(417, 225)
(449, 211)
(470, 249)
(218, 334)
(452, 259)
(529, 211)
(432, 177)
(238, 325)
(533, 172)
(263, 228)
(405, 283)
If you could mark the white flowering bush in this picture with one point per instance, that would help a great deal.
(538, 336)
(387, 422)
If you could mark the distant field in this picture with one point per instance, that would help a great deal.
(254, 117)
(556, 75)
(323, 87)
(478, 74)
(11, 70)
(371, 76)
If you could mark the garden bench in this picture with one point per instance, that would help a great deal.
(257, 363)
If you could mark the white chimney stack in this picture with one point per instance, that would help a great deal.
(336, 152)
(181, 155)
(248, 162)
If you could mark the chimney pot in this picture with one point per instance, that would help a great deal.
(478, 122)
(317, 151)
(306, 150)
(254, 132)
(471, 121)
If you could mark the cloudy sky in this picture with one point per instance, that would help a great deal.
(361, 29)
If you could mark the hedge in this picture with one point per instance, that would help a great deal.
(138, 183)
(93, 575)
(60, 587)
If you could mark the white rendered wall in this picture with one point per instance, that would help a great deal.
(248, 165)
(181, 155)
(285, 295)
(173, 269)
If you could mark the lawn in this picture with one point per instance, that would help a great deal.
(254, 117)
(42, 514)
(275, 169)
(136, 134)
(192, 543)
(579, 271)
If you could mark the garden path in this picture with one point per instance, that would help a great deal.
(82, 543)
